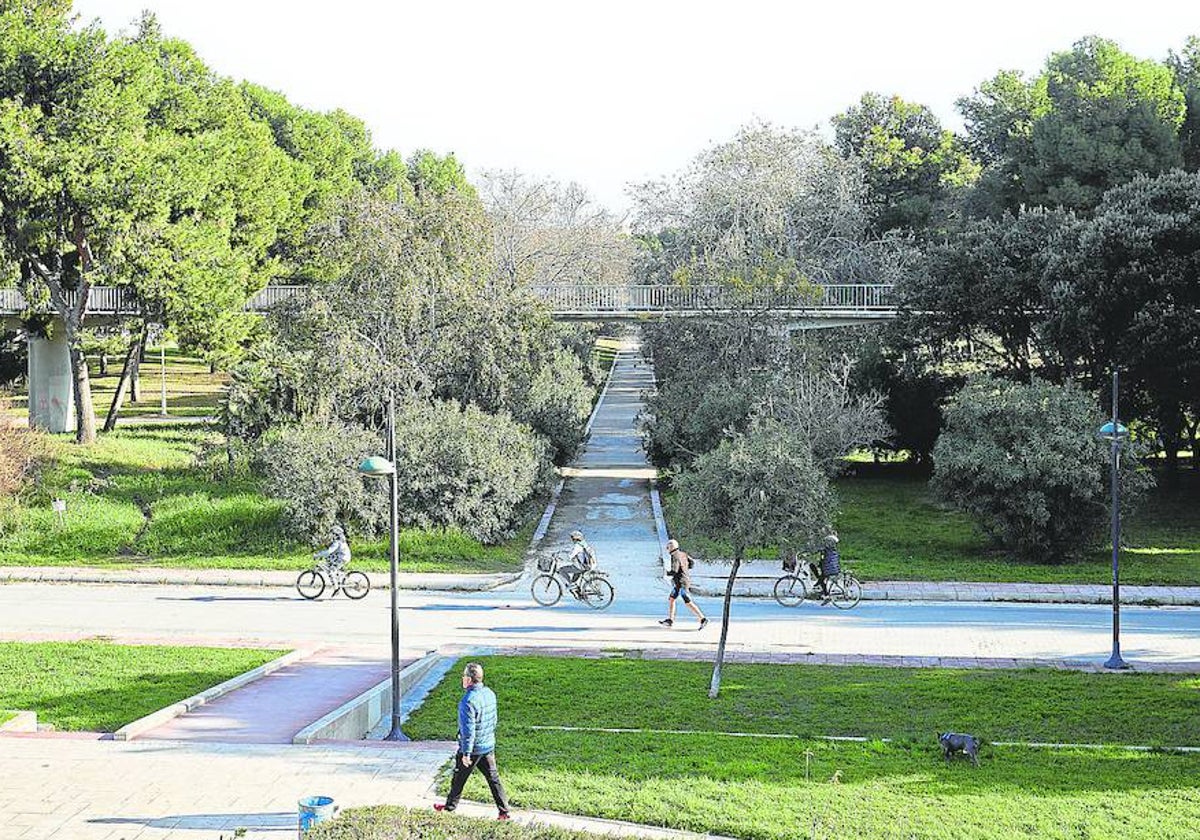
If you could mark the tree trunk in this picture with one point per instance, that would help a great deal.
(1171, 443)
(110, 422)
(714, 687)
(135, 374)
(85, 419)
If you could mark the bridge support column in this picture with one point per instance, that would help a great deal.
(51, 398)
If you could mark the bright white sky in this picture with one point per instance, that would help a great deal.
(610, 92)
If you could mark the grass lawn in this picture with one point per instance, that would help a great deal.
(192, 391)
(100, 687)
(892, 529)
(759, 787)
(142, 496)
(5, 717)
(390, 822)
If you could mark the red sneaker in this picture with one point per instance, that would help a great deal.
(504, 818)
(440, 806)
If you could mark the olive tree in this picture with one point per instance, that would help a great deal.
(756, 488)
(1023, 460)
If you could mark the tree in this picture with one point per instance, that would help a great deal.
(767, 208)
(982, 288)
(1125, 295)
(912, 165)
(72, 173)
(1024, 461)
(757, 488)
(547, 233)
(1095, 117)
(1186, 66)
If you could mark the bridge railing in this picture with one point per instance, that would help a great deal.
(578, 300)
(602, 299)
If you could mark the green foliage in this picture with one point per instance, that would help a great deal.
(985, 284)
(758, 488)
(911, 163)
(385, 822)
(1095, 117)
(100, 687)
(1024, 462)
(1125, 293)
(764, 787)
(466, 469)
(1186, 66)
(313, 469)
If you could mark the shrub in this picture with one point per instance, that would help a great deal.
(18, 448)
(313, 469)
(1024, 461)
(463, 468)
(558, 403)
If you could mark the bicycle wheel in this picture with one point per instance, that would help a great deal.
(356, 585)
(546, 590)
(790, 591)
(310, 584)
(845, 591)
(598, 593)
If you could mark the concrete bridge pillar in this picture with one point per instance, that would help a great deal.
(51, 398)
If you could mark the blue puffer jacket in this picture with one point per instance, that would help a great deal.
(477, 721)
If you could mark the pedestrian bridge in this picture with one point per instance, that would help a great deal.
(832, 303)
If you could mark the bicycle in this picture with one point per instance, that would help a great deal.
(312, 582)
(591, 587)
(799, 579)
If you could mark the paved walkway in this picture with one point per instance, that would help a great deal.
(606, 492)
(272, 709)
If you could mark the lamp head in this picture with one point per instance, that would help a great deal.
(376, 466)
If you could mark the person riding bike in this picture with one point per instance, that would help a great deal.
(581, 559)
(830, 565)
(337, 556)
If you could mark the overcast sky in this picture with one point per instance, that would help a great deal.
(607, 93)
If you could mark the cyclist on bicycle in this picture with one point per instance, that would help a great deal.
(337, 556)
(581, 559)
(831, 564)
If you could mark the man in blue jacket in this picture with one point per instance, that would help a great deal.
(476, 740)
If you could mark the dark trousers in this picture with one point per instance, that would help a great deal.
(487, 765)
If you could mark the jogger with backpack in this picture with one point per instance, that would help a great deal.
(681, 579)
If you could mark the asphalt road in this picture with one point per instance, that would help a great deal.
(432, 619)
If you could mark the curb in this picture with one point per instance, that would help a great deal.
(23, 722)
(155, 719)
(760, 586)
(375, 699)
(417, 582)
(600, 826)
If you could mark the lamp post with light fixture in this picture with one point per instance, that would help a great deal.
(1113, 431)
(379, 467)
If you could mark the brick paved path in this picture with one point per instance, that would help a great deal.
(273, 709)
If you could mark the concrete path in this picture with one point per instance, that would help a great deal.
(67, 789)
(273, 709)
(257, 617)
(606, 492)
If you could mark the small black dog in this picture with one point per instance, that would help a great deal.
(953, 743)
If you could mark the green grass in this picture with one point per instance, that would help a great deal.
(761, 788)
(605, 352)
(195, 519)
(390, 822)
(892, 529)
(5, 717)
(100, 687)
(192, 391)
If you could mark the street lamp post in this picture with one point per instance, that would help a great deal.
(1113, 431)
(376, 466)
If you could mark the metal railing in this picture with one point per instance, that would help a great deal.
(578, 300)
(649, 299)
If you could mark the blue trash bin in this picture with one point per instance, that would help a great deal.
(315, 809)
